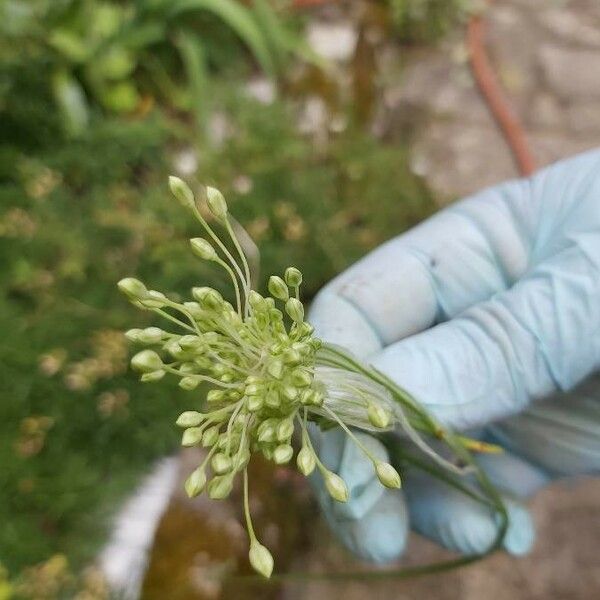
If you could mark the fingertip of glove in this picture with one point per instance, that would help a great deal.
(379, 536)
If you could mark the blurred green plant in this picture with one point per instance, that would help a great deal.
(119, 55)
(428, 20)
(77, 215)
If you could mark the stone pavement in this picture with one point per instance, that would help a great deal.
(547, 56)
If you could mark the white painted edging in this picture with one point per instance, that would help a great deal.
(124, 559)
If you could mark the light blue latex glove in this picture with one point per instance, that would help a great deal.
(488, 310)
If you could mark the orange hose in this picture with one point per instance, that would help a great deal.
(492, 93)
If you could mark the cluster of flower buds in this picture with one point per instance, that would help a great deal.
(260, 359)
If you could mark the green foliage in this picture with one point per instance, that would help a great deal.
(119, 55)
(76, 429)
(427, 20)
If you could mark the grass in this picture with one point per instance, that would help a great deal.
(76, 428)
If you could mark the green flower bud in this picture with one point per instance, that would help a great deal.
(221, 463)
(317, 398)
(378, 416)
(289, 392)
(208, 298)
(216, 203)
(190, 342)
(293, 277)
(335, 486)
(255, 403)
(272, 399)
(189, 418)
(291, 357)
(215, 396)
(306, 461)
(387, 475)
(195, 483)
(133, 335)
(242, 459)
(174, 349)
(153, 299)
(275, 368)
(301, 378)
(285, 429)
(151, 335)
(277, 288)
(252, 389)
(220, 487)
(203, 249)
(194, 309)
(153, 376)
(256, 301)
(188, 383)
(182, 192)
(133, 288)
(295, 310)
(147, 361)
(260, 559)
(283, 454)
(210, 437)
(191, 436)
(267, 430)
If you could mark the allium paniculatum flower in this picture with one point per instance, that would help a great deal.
(269, 376)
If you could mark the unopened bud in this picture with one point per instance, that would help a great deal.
(153, 299)
(272, 399)
(387, 475)
(260, 559)
(147, 361)
(215, 396)
(210, 437)
(220, 487)
(203, 249)
(216, 203)
(133, 288)
(257, 302)
(189, 418)
(291, 357)
(255, 403)
(181, 190)
(294, 308)
(285, 429)
(305, 461)
(152, 377)
(195, 483)
(301, 378)
(191, 436)
(188, 383)
(151, 335)
(220, 463)
(283, 454)
(378, 416)
(293, 277)
(336, 486)
(133, 335)
(277, 288)
(207, 297)
(289, 392)
(275, 368)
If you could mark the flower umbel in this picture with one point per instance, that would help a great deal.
(268, 374)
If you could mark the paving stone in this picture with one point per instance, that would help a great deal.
(571, 73)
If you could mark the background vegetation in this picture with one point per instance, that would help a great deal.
(99, 101)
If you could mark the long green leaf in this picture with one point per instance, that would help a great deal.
(194, 61)
(240, 19)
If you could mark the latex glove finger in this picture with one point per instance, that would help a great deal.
(561, 435)
(459, 523)
(373, 523)
(463, 255)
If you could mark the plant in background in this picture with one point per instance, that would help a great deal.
(112, 54)
(270, 377)
(428, 20)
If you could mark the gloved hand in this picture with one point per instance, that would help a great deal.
(489, 309)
